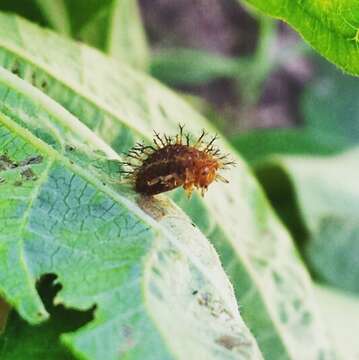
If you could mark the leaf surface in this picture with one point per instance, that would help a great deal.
(191, 66)
(122, 106)
(157, 284)
(256, 145)
(330, 104)
(326, 194)
(341, 313)
(331, 27)
(113, 26)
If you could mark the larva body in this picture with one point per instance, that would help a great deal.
(171, 163)
(173, 166)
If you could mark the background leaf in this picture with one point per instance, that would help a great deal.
(330, 113)
(56, 15)
(330, 104)
(256, 145)
(191, 66)
(27, 9)
(306, 190)
(113, 26)
(325, 193)
(330, 27)
(343, 325)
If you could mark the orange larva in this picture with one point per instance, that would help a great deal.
(170, 162)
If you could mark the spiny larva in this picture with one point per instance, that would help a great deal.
(171, 162)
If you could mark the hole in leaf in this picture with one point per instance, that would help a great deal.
(23, 341)
(70, 319)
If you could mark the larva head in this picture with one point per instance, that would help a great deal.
(206, 173)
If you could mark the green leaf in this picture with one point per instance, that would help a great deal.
(331, 27)
(27, 9)
(341, 313)
(331, 114)
(141, 262)
(330, 104)
(256, 145)
(121, 106)
(325, 193)
(56, 14)
(127, 40)
(191, 66)
(113, 26)
(330, 111)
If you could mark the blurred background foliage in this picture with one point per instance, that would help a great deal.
(293, 115)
